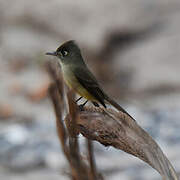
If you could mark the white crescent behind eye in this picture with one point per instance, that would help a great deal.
(64, 53)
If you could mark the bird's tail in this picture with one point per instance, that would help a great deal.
(117, 106)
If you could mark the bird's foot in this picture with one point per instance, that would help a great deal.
(95, 104)
(81, 107)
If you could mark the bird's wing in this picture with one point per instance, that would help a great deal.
(89, 82)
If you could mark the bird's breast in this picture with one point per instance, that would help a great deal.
(71, 80)
(69, 77)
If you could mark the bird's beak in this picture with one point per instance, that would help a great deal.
(52, 53)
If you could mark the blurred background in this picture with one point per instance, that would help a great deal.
(133, 47)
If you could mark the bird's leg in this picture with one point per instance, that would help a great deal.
(82, 105)
(78, 99)
(95, 104)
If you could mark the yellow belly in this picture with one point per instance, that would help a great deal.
(74, 84)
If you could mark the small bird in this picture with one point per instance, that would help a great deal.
(79, 78)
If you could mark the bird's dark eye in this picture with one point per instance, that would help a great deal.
(64, 52)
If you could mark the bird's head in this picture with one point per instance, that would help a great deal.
(68, 52)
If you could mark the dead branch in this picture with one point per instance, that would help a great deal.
(79, 169)
(116, 129)
(93, 171)
(110, 128)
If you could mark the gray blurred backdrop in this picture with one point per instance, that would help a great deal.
(133, 47)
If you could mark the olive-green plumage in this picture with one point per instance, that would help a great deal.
(78, 77)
